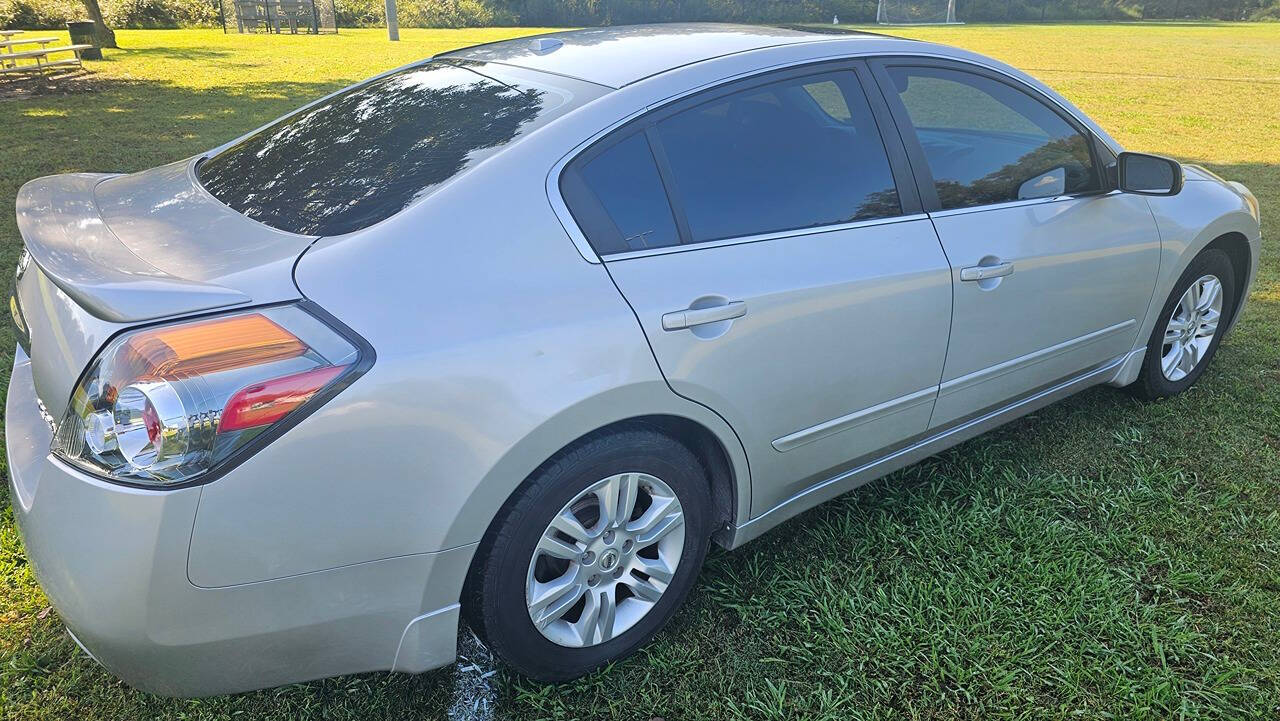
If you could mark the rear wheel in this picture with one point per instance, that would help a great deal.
(594, 555)
(1190, 327)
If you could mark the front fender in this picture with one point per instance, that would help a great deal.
(1204, 211)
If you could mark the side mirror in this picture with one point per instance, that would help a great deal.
(1148, 174)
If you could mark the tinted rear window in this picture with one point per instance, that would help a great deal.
(799, 153)
(795, 154)
(368, 152)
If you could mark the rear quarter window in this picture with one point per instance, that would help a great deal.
(366, 153)
(618, 199)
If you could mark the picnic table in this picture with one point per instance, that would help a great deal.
(10, 54)
(7, 46)
(27, 41)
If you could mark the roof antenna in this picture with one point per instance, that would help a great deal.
(542, 46)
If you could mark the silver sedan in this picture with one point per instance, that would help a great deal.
(514, 333)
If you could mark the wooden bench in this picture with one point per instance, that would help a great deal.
(8, 46)
(41, 57)
(32, 41)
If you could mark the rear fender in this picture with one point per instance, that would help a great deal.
(650, 398)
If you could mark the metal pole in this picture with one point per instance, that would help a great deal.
(393, 25)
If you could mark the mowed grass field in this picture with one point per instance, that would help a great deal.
(1101, 558)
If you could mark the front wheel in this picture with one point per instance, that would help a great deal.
(595, 554)
(1189, 328)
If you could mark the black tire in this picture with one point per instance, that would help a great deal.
(495, 599)
(1152, 383)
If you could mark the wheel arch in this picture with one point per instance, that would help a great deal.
(706, 435)
(716, 463)
(1236, 246)
(1205, 214)
(721, 456)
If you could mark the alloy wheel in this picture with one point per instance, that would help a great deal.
(1191, 328)
(605, 560)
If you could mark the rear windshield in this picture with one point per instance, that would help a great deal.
(364, 154)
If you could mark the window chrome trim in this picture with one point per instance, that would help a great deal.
(1018, 204)
(579, 239)
(559, 207)
(760, 237)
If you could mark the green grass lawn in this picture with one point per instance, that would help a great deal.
(1102, 557)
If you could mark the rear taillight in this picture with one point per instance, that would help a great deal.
(167, 404)
(20, 330)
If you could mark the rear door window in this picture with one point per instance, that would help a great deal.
(795, 154)
(368, 152)
(798, 153)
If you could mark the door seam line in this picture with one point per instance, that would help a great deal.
(746, 457)
(951, 326)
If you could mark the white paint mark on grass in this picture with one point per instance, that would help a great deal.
(475, 697)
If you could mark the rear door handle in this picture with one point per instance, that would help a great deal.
(681, 319)
(983, 272)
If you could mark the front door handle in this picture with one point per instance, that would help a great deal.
(681, 319)
(983, 272)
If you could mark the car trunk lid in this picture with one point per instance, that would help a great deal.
(111, 251)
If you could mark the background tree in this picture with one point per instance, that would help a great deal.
(103, 36)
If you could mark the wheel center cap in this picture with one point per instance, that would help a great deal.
(609, 560)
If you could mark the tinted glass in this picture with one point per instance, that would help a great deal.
(1149, 174)
(987, 142)
(618, 199)
(364, 154)
(795, 154)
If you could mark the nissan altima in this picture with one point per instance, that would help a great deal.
(512, 334)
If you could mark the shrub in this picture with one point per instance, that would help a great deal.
(160, 13)
(444, 13)
(1266, 13)
(360, 13)
(51, 14)
(423, 13)
(39, 14)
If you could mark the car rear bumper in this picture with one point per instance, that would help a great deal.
(113, 561)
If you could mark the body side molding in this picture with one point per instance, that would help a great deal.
(923, 448)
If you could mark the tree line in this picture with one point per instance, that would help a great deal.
(470, 13)
(604, 12)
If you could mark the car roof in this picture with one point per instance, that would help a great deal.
(621, 55)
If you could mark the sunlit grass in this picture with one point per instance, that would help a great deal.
(1101, 557)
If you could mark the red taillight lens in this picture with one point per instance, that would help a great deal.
(151, 420)
(264, 403)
